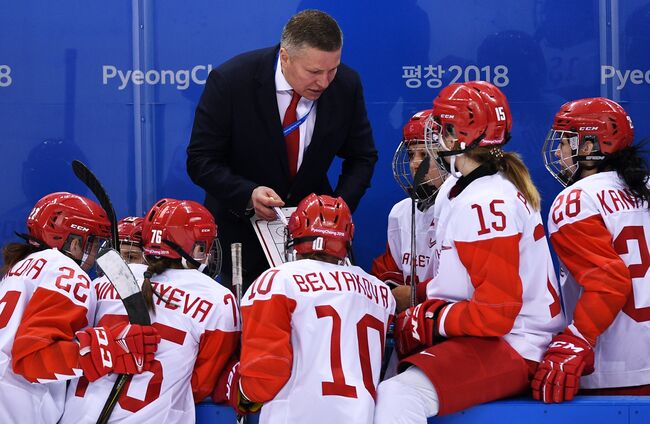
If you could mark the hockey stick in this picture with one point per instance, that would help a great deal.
(121, 277)
(90, 180)
(421, 172)
(135, 305)
(235, 254)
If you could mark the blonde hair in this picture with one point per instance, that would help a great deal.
(512, 167)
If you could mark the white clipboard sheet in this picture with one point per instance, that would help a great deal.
(271, 237)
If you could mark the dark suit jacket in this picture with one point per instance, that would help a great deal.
(237, 145)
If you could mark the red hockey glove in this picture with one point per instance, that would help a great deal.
(416, 328)
(227, 391)
(558, 376)
(123, 349)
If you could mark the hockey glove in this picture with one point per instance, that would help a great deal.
(227, 391)
(416, 328)
(558, 376)
(123, 349)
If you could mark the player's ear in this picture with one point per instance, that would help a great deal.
(586, 148)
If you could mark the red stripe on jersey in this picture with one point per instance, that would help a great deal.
(554, 307)
(493, 268)
(385, 268)
(539, 232)
(44, 342)
(215, 349)
(170, 333)
(267, 353)
(585, 248)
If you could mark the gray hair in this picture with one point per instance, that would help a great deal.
(312, 28)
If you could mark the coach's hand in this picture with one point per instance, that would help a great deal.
(263, 199)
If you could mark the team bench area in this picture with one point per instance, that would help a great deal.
(583, 409)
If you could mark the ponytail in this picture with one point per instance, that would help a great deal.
(13, 253)
(512, 167)
(155, 266)
(632, 168)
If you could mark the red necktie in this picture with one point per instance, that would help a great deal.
(293, 138)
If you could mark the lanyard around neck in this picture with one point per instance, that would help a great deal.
(292, 126)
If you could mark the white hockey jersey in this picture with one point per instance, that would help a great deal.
(395, 263)
(312, 342)
(44, 300)
(199, 326)
(495, 267)
(602, 237)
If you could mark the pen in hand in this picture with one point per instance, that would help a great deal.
(280, 215)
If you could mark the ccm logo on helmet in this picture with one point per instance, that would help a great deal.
(79, 227)
(447, 116)
(588, 129)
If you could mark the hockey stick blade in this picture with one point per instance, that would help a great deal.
(121, 277)
(87, 177)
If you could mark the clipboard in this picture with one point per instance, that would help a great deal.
(271, 236)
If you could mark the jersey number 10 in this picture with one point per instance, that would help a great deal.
(338, 385)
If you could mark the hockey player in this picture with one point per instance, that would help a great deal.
(600, 228)
(130, 233)
(314, 328)
(394, 265)
(493, 304)
(47, 309)
(197, 318)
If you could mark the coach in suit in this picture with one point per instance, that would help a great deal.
(268, 126)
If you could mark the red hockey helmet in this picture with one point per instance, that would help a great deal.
(184, 223)
(598, 120)
(58, 217)
(413, 131)
(320, 224)
(499, 125)
(460, 113)
(130, 230)
(411, 154)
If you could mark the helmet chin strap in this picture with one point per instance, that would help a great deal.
(186, 260)
(452, 162)
(186, 265)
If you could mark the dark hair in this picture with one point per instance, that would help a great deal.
(312, 28)
(13, 253)
(632, 167)
(512, 167)
(322, 257)
(155, 266)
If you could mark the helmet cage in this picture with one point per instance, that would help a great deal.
(405, 167)
(564, 168)
(90, 246)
